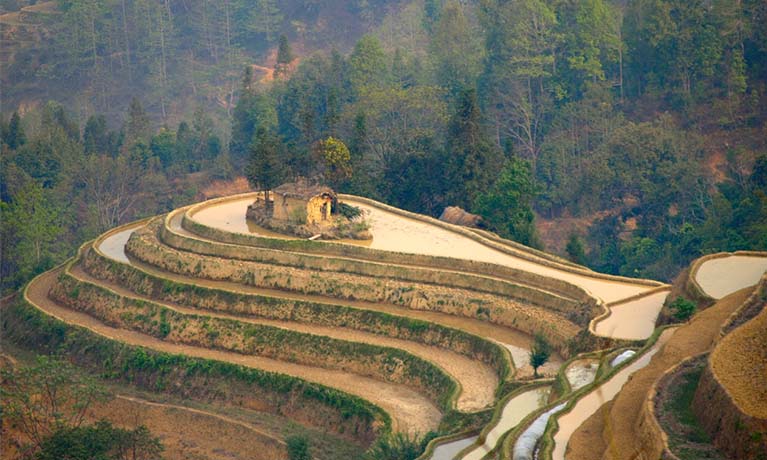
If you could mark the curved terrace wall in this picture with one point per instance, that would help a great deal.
(559, 287)
(381, 363)
(492, 285)
(547, 443)
(144, 247)
(731, 400)
(694, 289)
(521, 251)
(26, 325)
(207, 298)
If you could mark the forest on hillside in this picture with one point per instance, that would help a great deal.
(643, 122)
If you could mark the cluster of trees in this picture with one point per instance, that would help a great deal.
(575, 107)
(507, 108)
(59, 187)
(96, 54)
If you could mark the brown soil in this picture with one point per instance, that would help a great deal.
(587, 439)
(477, 379)
(410, 411)
(740, 364)
(224, 188)
(192, 433)
(617, 429)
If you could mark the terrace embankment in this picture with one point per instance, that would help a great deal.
(621, 426)
(173, 324)
(413, 411)
(402, 237)
(731, 400)
(477, 380)
(509, 283)
(144, 246)
(468, 336)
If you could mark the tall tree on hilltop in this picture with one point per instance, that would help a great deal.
(368, 64)
(138, 126)
(506, 206)
(284, 57)
(266, 168)
(15, 136)
(473, 161)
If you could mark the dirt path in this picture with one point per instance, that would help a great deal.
(616, 429)
(410, 411)
(478, 380)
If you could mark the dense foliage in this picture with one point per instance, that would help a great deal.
(643, 121)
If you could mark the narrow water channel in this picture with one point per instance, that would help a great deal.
(589, 404)
(516, 409)
(449, 450)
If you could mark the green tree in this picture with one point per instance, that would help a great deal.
(473, 161)
(138, 126)
(540, 353)
(14, 137)
(35, 224)
(100, 441)
(506, 206)
(682, 309)
(284, 57)
(455, 49)
(367, 64)
(266, 168)
(97, 138)
(298, 448)
(575, 250)
(521, 44)
(337, 160)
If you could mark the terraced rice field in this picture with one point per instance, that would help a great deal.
(423, 319)
(722, 276)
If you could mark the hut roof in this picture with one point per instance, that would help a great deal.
(303, 190)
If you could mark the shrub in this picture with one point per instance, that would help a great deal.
(539, 353)
(682, 309)
(298, 448)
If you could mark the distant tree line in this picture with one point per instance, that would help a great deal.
(644, 118)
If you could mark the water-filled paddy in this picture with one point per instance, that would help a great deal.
(634, 320)
(722, 276)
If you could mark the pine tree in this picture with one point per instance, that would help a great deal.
(15, 136)
(575, 251)
(473, 160)
(284, 57)
(138, 127)
(266, 169)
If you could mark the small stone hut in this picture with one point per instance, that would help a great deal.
(301, 202)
